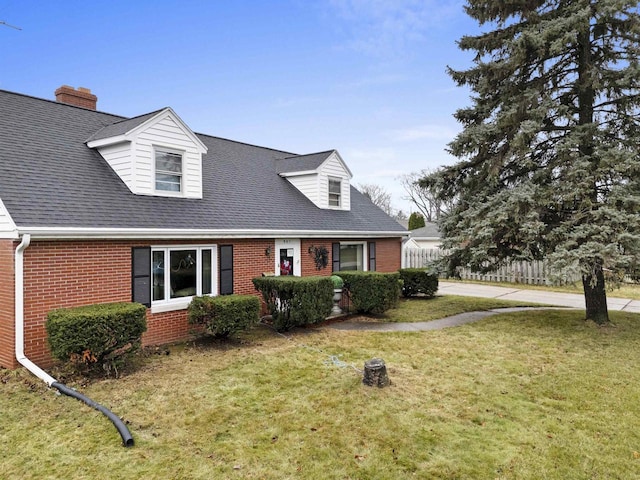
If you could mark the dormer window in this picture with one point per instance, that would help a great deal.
(168, 171)
(335, 190)
(322, 177)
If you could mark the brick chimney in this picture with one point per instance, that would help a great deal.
(82, 97)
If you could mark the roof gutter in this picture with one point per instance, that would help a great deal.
(127, 439)
(55, 233)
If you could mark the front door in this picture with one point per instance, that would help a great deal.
(287, 257)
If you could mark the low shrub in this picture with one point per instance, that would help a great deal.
(96, 336)
(224, 315)
(419, 280)
(296, 301)
(372, 292)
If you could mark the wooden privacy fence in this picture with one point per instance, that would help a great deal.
(533, 273)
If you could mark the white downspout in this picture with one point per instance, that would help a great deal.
(127, 439)
(19, 313)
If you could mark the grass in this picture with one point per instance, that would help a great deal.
(417, 309)
(516, 396)
(625, 290)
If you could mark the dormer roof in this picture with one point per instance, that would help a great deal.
(303, 164)
(127, 130)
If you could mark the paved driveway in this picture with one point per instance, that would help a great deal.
(574, 300)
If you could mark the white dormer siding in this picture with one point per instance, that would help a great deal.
(313, 180)
(166, 135)
(6, 222)
(308, 184)
(333, 169)
(119, 158)
(131, 154)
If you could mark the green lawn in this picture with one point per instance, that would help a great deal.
(515, 396)
(417, 309)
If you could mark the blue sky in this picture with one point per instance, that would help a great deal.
(367, 78)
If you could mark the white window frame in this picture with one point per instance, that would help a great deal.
(330, 193)
(170, 304)
(365, 255)
(170, 151)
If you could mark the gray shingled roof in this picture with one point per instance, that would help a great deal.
(302, 163)
(50, 178)
(430, 230)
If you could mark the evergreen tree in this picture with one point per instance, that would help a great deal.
(416, 221)
(549, 157)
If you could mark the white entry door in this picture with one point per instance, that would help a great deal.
(287, 257)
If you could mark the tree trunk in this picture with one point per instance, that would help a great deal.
(595, 296)
(375, 373)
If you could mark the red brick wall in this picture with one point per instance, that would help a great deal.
(68, 274)
(7, 317)
(249, 261)
(388, 254)
(73, 273)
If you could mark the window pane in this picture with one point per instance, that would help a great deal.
(206, 272)
(351, 257)
(168, 162)
(168, 182)
(183, 273)
(334, 193)
(158, 275)
(286, 261)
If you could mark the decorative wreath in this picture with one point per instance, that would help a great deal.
(320, 256)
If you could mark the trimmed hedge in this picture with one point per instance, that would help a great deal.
(102, 334)
(372, 292)
(419, 280)
(296, 301)
(224, 315)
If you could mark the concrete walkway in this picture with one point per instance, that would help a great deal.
(571, 300)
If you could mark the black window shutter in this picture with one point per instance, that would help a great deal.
(226, 269)
(335, 257)
(372, 256)
(141, 275)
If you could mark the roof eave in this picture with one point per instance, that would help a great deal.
(103, 142)
(74, 233)
(298, 173)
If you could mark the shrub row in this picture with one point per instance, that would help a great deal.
(419, 280)
(224, 315)
(105, 334)
(96, 335)
(296, 301)
(372, 292)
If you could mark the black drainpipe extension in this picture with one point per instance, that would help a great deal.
(127, 439)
